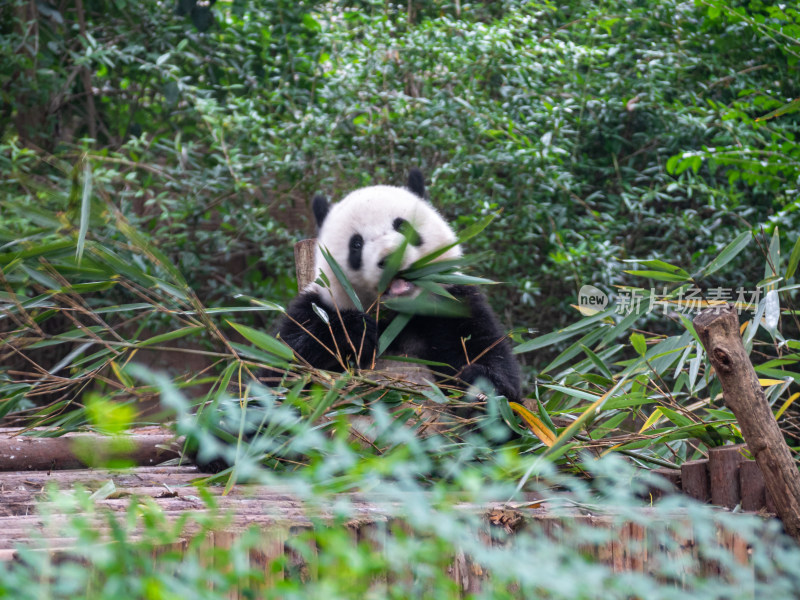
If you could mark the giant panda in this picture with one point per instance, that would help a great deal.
(327, 331)
(360, 232)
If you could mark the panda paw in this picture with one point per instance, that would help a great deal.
(473, 373)
(356, 335)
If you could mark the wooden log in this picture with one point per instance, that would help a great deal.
(723, 472)
(695, 481)
(718, 330)
(672, 477)
(751, 486)
(304, 251)
(72, 450)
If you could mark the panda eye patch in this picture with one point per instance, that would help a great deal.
(402, 226)
(354, 251)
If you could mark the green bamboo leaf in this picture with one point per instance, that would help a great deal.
(141, 243)
(171, 335)
(660, 275)
(392, 331)
(392, 266)
(773, 265)
(433, 287)
(259, 355)
(264, 341)
(415, 272)
(573, 392)
(426, 304)
(342, 278)
(38, 250)
(414, 360)
(86, 206)
(728, 254)
(639, 344)
(598, 362)
(794, 259)
(791, 107)
(587, 340)
(555, 337)
(587, 414)
(466, 234)
(456, 279)
(660, 265)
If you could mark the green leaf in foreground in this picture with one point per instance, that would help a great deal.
(264, 341)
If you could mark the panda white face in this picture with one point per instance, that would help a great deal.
(364, 228)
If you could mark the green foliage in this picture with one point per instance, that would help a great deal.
(405, 543)
(157, 162)
(600, 137)
(655, 399)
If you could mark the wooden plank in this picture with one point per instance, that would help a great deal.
(751, 486)
(695, 481)
(723, 470)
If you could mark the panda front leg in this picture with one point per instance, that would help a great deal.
(475, 347)
(347, 336)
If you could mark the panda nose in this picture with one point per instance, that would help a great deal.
(382, 262)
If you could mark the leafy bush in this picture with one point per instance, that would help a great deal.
(599, 136)
(412, 534)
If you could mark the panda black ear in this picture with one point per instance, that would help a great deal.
(416, 182)
(320, 207)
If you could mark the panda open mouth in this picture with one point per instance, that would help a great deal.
(400, 288)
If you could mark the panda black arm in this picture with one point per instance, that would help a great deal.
(353, 336)
(488, 350)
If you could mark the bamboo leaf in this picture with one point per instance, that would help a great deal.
(770, 382)
(786, 404)
(537, 427)
(392, 331)
(773, 264)
(794, 259)
(392, 265)
(170, 335)
(791, 107)
(660, 265)
(342, 278)
(639, 344)
(652, 419)
(659, 275)
(728, 253)
(320, 312)
(264, 341)
(587, 414)
(598, 362)
(86, 206)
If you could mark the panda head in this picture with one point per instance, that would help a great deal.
(366, 226)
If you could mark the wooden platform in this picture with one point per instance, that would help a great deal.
(29, 518)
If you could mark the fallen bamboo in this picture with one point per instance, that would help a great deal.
(147, 446)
